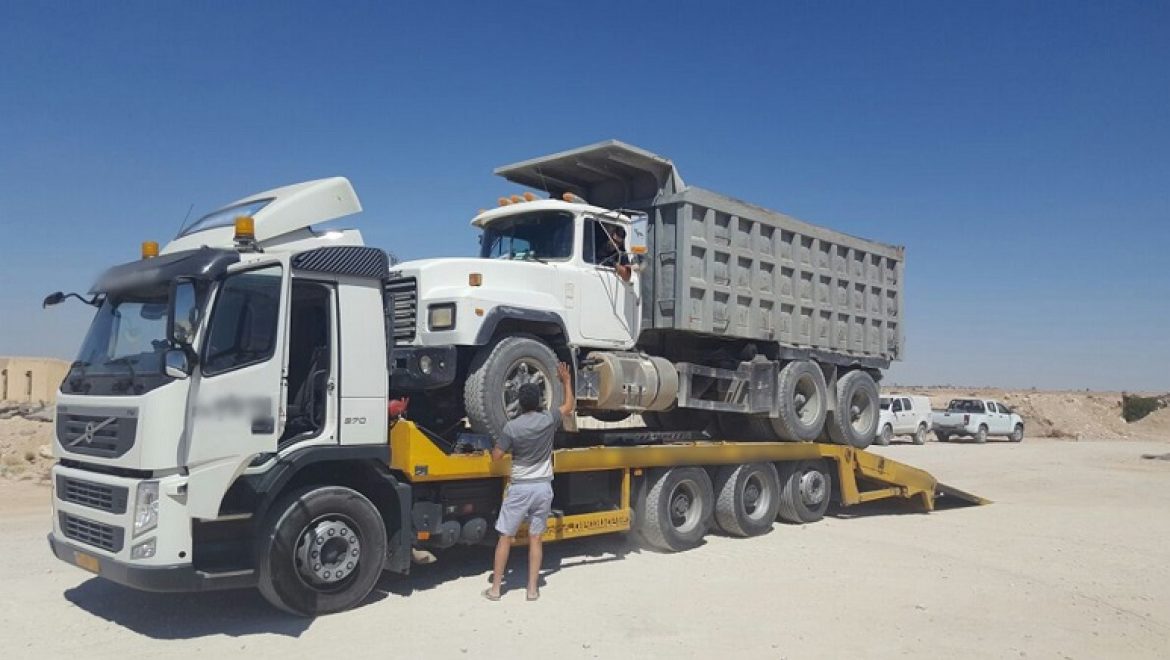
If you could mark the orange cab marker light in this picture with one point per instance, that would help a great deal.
(528, 197)
(504, 201)
(638, 249)
(479, 311)
(423, 536)
(516, 199)
(474, 279)
(568, 197)
(149, 249)
(245, 227)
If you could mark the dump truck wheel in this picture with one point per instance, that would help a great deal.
(491, 393)
(806, 487)
(920, 435)
(855, 420)
(1017, 433)
(747, 498)
(803, 400)
(321, 550)
(885, 436)
(677, 510)
(981, 434)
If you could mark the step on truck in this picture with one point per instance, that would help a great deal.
(689, 308)
(228, 424)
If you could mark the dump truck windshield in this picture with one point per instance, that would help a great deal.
(532, 236)
(122, 352)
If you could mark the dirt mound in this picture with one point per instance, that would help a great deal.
(25, 448)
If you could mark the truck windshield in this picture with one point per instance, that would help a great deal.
(122, 352)
(546, 236)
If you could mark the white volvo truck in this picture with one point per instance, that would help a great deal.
(778, 327)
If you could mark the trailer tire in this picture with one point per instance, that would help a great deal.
(855, 420)
(747, 498)
(806, 488)
(677, 510)
(1017, 433)
(336, 519)
(981, 434)
(802, 398)
(885, 436)
(498, 372)
(920, 435)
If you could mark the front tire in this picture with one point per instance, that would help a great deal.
(747, 498)
(855, 420)
(491, 392)
(677, 509)
(320, 551)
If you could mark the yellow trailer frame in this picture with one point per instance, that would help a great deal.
(861, 476)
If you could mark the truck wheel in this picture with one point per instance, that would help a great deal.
(805, 491)
(677, 510)
(803, 398)
(920, 435)
(1017, 433)
(491, 392)
(747, 498)
(320, 550)
(981, 434)
(855, 420)
(885, 436)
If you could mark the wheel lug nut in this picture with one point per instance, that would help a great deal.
(331, 532)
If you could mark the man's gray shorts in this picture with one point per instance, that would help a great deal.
(525, 502)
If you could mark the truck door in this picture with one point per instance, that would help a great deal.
(1000, 422)
(235, 406)
(608, 306)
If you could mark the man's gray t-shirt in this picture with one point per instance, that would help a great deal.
(530, 439)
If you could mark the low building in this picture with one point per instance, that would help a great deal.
(31, 379)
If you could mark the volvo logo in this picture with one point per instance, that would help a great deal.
(91, 429)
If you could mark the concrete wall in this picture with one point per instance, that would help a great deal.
(31, 379)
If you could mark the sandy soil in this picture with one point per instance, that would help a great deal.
(1069, 562)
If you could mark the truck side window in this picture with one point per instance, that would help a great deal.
(599, 239)
(243, 324)
(897, 406)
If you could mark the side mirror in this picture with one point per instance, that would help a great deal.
(176, 364)
(53, 299)
(183, 319)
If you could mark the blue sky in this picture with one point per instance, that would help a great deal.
(1020, 150)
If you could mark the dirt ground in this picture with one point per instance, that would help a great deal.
(1068, 562)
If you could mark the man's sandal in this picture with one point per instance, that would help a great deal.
(487, 593)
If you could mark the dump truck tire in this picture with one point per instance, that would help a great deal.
(320, 550)
(803, 401)
(855, 420)
(747, 498)
(677, 510)
(806, 487)
(489, 395)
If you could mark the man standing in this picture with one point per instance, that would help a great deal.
(529, 438)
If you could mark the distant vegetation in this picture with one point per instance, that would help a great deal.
(1134, 407)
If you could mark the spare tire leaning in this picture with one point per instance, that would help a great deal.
(855, 420)
(803, 401)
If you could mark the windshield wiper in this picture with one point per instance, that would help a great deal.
(125, 360)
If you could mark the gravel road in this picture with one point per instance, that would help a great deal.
(1070, 561)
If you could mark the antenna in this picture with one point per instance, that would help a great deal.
(186, 217)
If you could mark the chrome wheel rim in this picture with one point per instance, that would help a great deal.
(328, 552)
(524, 370)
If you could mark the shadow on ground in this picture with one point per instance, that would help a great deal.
(240, 613)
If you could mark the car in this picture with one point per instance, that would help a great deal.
(903, 414)
(978, 419)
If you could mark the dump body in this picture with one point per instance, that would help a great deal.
(719, 266)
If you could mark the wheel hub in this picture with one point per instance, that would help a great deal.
(813, 487)
(685, 510)
(524, 371)
(328, 552)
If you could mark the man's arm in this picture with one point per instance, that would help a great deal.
(502, 446)
(570, 402)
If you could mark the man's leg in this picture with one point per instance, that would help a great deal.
(503, 548)
(535, 557)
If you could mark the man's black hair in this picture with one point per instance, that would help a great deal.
(529, 397)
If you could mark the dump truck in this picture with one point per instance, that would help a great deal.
(228, 424)
(778, 327)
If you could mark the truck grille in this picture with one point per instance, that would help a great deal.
(96, 434)
(403, 292)
(111, 499)
(89, 532)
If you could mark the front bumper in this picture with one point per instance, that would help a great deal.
(182, 577)
(408, 375)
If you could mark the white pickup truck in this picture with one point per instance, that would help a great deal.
(978, 419)
(902, 414)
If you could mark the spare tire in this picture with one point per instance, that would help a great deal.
(493, 385)
(803, 401)
(855, 420)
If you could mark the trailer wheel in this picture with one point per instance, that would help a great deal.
(981, 434)
(320, 550)
(886, 435)
(1017, 433)
(491, 392)
(747, 498)
(677, 509)
(803, 401)
(855, 420)
(920, 435)
(806, 487)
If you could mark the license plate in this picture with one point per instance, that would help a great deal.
(88, 562)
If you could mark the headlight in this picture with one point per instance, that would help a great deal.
(441, 317)
(146, 507)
